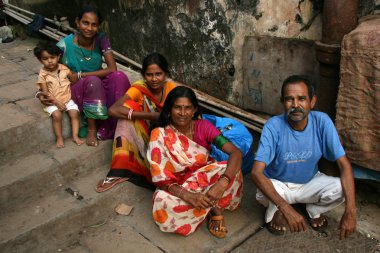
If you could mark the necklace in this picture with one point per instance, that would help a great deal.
(87, 58)
(162, 95)
(189, 133)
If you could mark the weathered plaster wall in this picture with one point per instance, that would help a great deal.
(202, 40)
(285, 19)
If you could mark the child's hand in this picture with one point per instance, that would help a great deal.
(45, 98)
(61, 106)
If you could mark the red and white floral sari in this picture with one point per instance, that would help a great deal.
(174, 158)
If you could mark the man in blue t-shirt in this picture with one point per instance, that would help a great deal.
(286, 165)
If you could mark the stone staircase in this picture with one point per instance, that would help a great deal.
(39, 212)
(47, 197)
(37, 209)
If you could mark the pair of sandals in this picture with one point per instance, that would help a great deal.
(317, 224)
(216, 225)
(109, 182)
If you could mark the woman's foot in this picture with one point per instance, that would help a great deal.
(318, 224)
(278, 224)
(78, 141)
(91, 139)
(216, 224)
(108, 183)
(60, 143)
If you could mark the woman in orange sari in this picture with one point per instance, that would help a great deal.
(191, 185)
(140, 105)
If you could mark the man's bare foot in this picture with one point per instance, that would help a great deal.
(60, 143)
(318, 224)
(78, 141)
(278, 224)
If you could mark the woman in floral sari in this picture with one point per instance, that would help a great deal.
(140, 105)
(191, 185)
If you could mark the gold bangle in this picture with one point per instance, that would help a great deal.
(168, 189)
(179, 195)
(226, 178)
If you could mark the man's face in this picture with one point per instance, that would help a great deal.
(297, 103)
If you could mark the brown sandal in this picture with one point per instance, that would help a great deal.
(278, 224)
(216, 226)
(319, 224)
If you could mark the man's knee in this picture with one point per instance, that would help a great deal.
(333, 191)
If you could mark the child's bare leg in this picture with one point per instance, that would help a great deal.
(74, 117)
(57, 126)
(91, 139)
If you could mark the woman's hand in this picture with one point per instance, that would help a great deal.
(197, 200)
(73, 77)
(45, 98)
(216, 191)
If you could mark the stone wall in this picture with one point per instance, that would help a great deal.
(202, 40)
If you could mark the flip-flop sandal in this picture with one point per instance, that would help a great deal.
(108, 183)
(216, 227)
(315, 221)
(272, 229)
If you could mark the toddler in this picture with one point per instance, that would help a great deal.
(53, 79)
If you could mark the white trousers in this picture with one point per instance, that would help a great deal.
(320, 195)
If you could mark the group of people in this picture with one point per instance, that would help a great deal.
(161, 139)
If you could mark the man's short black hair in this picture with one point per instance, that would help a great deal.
(47, 46)
(298, 79)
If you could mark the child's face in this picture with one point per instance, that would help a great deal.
(49, 61)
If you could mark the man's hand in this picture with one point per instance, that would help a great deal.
(45, 98)
(347, 224)
(296, 222)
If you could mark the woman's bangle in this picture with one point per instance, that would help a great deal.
(170, 185)
(180, 193)
(79, 75)
(129, 117)
(226, 177)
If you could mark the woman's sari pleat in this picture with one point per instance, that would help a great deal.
(132, 138)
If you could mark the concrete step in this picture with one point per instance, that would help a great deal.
(138, 233)
(47, 223)
(38, 174)
(60, 222)
(26, 128)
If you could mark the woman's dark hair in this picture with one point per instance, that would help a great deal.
(155, 58)
(298, 79)
(177, 92)
(90, 9)
(47, 46)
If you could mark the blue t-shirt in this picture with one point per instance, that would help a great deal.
(292, 156)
